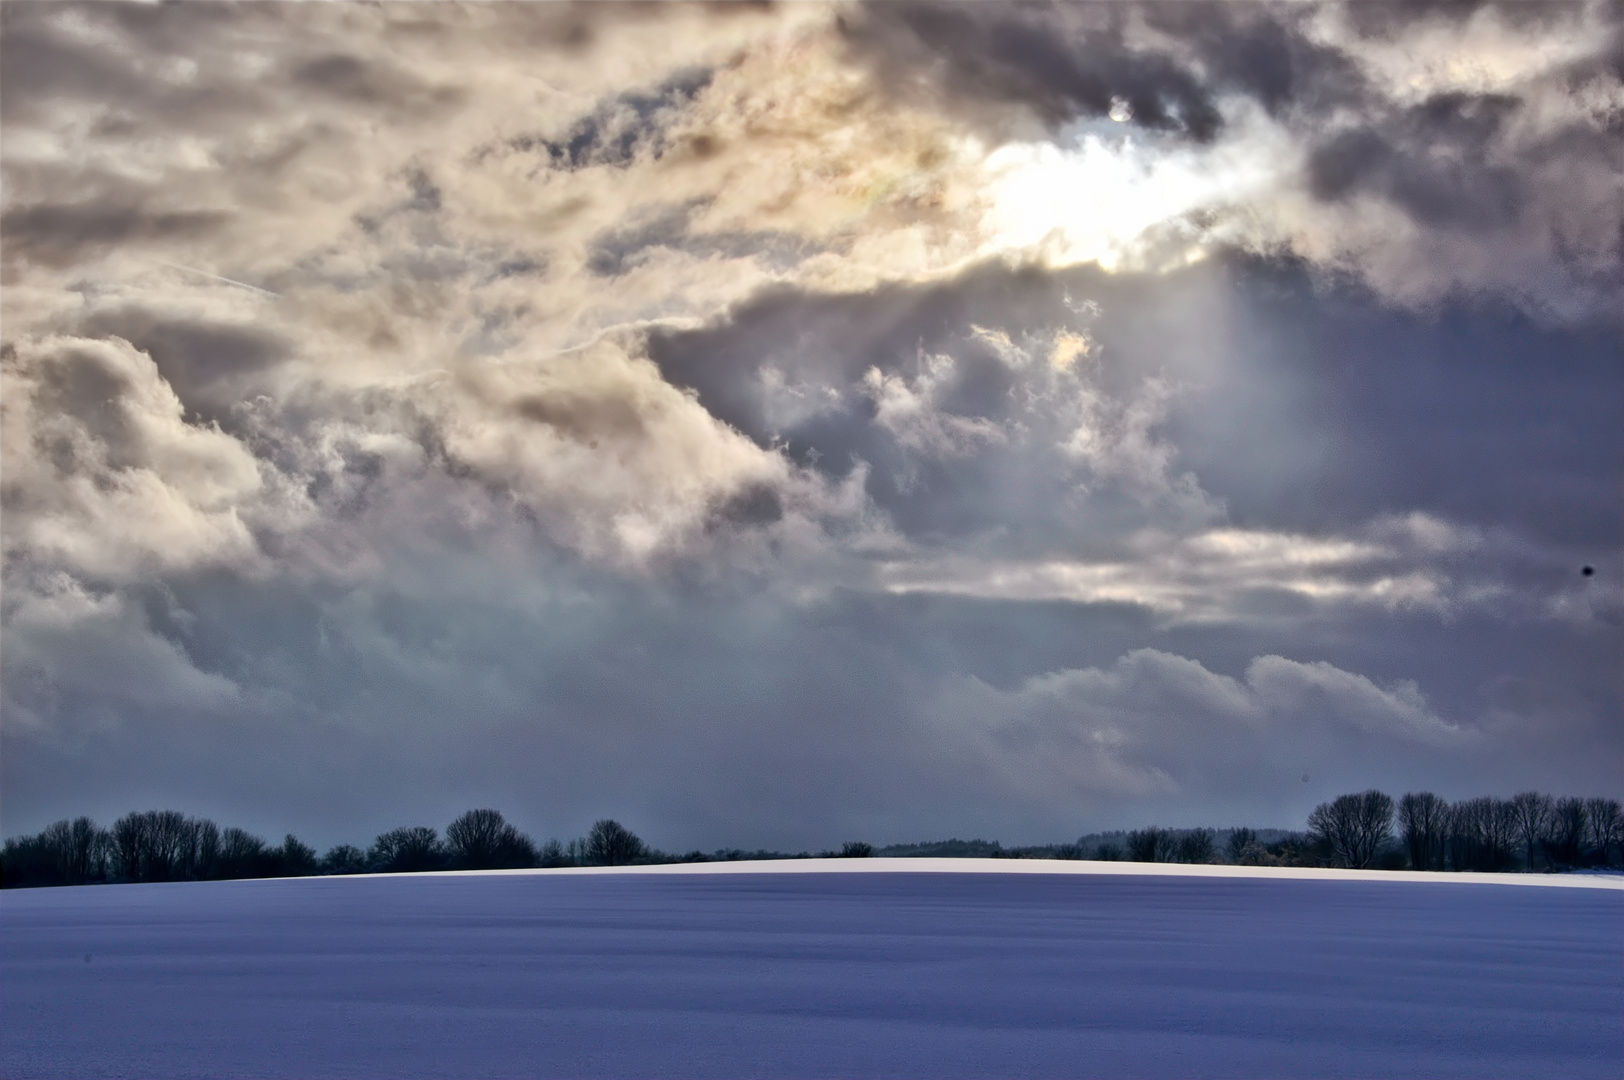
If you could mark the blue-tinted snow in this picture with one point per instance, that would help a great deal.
(873, 974)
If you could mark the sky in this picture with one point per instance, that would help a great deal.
(772, 426)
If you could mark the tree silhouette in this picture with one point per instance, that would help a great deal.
(344, 859)
(297, 858)
(1530, 810)
(407, 850)
(1356, 826)
(1239, 841)
(483, 840)
(1565, 832)
(1149, 845)
(158, 845)
(1606, 823)
(611, 844)
(1423, 818)
(1196, 846)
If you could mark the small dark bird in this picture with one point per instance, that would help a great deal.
(1587, 571)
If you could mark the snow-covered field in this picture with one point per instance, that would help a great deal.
(879, 973)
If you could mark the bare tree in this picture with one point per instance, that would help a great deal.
(856, 849)
(1356, 826)
(1149, 845)
(295, 858)
(130, 846)
(242, 855)
(1422, 818)
(1606, 827)
(1530, 812)
(611, 844)
(1239, 840)
(483, 840)
(1565, 832)
(552, 853)
(63, 853)
(88, 851)
(414, 848)
(1501, 833)
(205, 849)
(344, 859)
(173, 845)
(1195, 846)
(1481, 834)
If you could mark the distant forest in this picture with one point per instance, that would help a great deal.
(1527, 833)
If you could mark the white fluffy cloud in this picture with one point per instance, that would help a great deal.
(106, 477)
(1156, 726)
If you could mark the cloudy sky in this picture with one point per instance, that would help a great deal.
(785, 425)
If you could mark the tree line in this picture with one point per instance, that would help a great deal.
(166, 845)
(1528, 832)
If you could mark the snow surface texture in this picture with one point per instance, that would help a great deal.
(708, 973)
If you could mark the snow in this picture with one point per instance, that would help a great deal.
(821, 968)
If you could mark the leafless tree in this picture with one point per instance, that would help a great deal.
(1422, 818)
(158, 845)
(1606, 827)
(856, 849)
(1565, 832)
(63, 853)
(344, 859)
(130, 846)
(295, 858)
(1195, 846)
(1239, 840)
(1149, 845)
(611, 844)
(409, 849)
(1502, 834)
(483, 840)
(1356, 826)
(241, 854)
(1481, 834)
(205, 849)
(1530, 811)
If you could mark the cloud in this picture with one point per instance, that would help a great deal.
(681, 404)
(1220, 573)
(79, 663)
(104, 476)
(1488, 172)
(1154, 726)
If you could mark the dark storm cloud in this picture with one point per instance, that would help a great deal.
(1071, 61)
(1476, 412)
(1261, 50)
(1390, 18)
(1431, 161)
(1062, 63)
